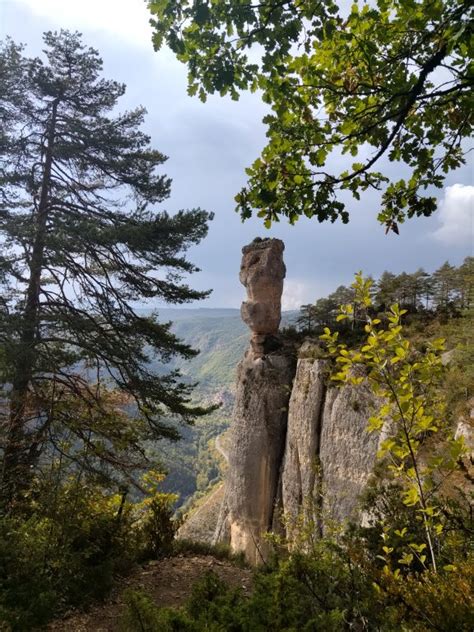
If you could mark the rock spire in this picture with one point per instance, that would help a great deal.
(262, 272)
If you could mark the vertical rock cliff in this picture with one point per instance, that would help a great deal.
(264, 379)
(329, 455)
(300, 452)
(258, 441)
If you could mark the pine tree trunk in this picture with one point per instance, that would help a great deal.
(20, 453)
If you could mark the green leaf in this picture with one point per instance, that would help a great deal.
(411, 497)
(406, 559)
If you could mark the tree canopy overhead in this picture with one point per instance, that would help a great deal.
(391, 79)
(80, 241)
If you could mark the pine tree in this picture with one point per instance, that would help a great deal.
(386, 290)
(340, 296)
(80, 243)
(306, 320)
(444, 286)
(465, 283)
(324, 312)
(420, 288)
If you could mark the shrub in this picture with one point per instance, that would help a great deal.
(28, 593)
(213, 607)
(61, 556)
(66, 552)
(333, 588)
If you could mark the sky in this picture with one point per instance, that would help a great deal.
(210, 145)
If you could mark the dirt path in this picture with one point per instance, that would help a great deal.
(168, 581)
(200, 525)
(220, 449)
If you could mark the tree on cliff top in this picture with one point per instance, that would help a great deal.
(392, 78)
(80, 242)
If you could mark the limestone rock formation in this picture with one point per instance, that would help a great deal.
(300, 455)
(201, 523)
(298, 449)
(329, 455)
(264, 378)
(347, 451)
(262, 273)
(257, 444)
(299, 475)
(465, 429)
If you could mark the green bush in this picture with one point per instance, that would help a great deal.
(213, 607)
(143, 615)
(333, 588)
(66, 552)
(28, 591)
(157, 530)
(65, 556)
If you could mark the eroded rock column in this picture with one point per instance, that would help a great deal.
(264, 379)
(262, 272)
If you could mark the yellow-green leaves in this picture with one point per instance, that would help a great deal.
(375, 423)
(406, 559)
(411, 497)
(410, 406)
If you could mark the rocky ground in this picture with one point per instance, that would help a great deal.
(169, 582)
(201, 522)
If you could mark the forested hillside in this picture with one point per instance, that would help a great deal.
(221, 338)
(444, 293)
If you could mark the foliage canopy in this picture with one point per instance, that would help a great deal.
(391, 78)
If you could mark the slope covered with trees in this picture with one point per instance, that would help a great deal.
(447, 292)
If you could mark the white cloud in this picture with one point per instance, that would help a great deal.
(456, 213)
(295, 294)
(127, 19)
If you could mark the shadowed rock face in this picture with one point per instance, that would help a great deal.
(262, 272)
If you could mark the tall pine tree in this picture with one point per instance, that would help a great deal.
(80, 243)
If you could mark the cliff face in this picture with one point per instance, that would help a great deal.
(328, 455)
(299, 451)
(257, 447)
